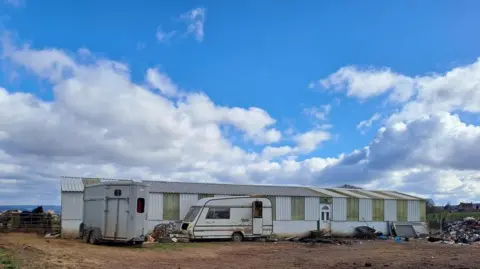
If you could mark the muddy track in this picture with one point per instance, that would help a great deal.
(32, 251)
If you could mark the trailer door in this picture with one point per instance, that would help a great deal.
(257, 220)
(117, 218)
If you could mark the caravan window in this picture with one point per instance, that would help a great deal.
(192, 214)
(140, 205)
(218, 213)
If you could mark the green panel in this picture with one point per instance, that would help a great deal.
(378, 208)
(325, 200)
(423, 211)
(298, 208)
(353, 209)
(273, 199)
(204, 195)
(171, 206)
(402, 207)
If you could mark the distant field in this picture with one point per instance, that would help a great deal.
(452, 216)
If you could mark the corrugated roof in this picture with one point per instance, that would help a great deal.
(328, 193)
(229, 189)
(373, 195)
(397, 195)
(350, 193)
(76, 185)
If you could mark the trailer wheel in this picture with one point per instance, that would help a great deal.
(92, 239)
(85, 236)
(237, 237)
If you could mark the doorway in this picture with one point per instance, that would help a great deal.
(325, 216)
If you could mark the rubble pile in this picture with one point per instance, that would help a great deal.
(161, 231)
(460, 232)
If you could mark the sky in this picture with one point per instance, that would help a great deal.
(319, 93)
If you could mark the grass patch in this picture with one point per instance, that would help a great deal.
(6, 261)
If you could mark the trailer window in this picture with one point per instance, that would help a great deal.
(192, 214)
(117, 192)
(140, 205)
(218, 213)
(257, 209)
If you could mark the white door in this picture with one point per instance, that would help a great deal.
(325, 216)
(257, 217)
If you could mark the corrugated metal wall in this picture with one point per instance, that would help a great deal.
(413, 210)
(186, 201)
(312, 208)
(284, 208)
(365, 209)
(390, 210)
(155, 207)
(339, 209)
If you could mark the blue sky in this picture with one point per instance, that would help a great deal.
(265, 54)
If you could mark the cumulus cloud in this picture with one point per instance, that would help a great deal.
(195, 20)
(101, 123)
(368, 123)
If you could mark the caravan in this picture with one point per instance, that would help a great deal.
(236, 218)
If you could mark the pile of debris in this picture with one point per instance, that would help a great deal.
(162, 232)
(459, 232)
(313, 237)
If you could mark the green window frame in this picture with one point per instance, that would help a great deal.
(171, 206)
(353, 209)
(378, 210)
(402, 210)
(423, 211)
(297, 208)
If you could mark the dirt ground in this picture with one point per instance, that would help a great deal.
(32, 251)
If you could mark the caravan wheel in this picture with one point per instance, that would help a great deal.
(237, 237)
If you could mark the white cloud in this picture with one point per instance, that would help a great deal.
(319, 113)
(15, 3)
(163, 36)
(195, 20)
(161, 82)
(368, 123)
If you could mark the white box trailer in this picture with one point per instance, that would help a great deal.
(114, 211)
(235, 218)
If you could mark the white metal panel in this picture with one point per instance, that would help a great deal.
(72, 206)
(312, 208)
(327, 192)
(390, 210)
(284, 208)
(339, 210)
(365, 209)
(350, 193)
(293, 227)
(413, 210)
(347, 228)
(186, 201)
(155, 207)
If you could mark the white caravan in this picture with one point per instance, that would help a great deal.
(235, 217)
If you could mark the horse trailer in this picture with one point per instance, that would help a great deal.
(114, 211)
(235, 217)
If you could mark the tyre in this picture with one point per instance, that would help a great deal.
(237, 237)
(85, 236)
(92, 239)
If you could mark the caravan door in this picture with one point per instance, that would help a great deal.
(257, 218)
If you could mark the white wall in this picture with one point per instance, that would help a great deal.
(312, 208)
(365, 209)
(413, 210)
(284, 208)
(293, 227)
(339, 209)
(347, 228)
(186, 201)
(390, 210)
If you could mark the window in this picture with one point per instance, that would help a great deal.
(117, 193)
(352, 209)
(423, 211)
(273, 200)
(140, 205)
(218, 213)
(402, 209)
(325, 200)
(171, 206)
(204, 195)
(192, 214)
(377, 210)
(257, 209)
(298, 208)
